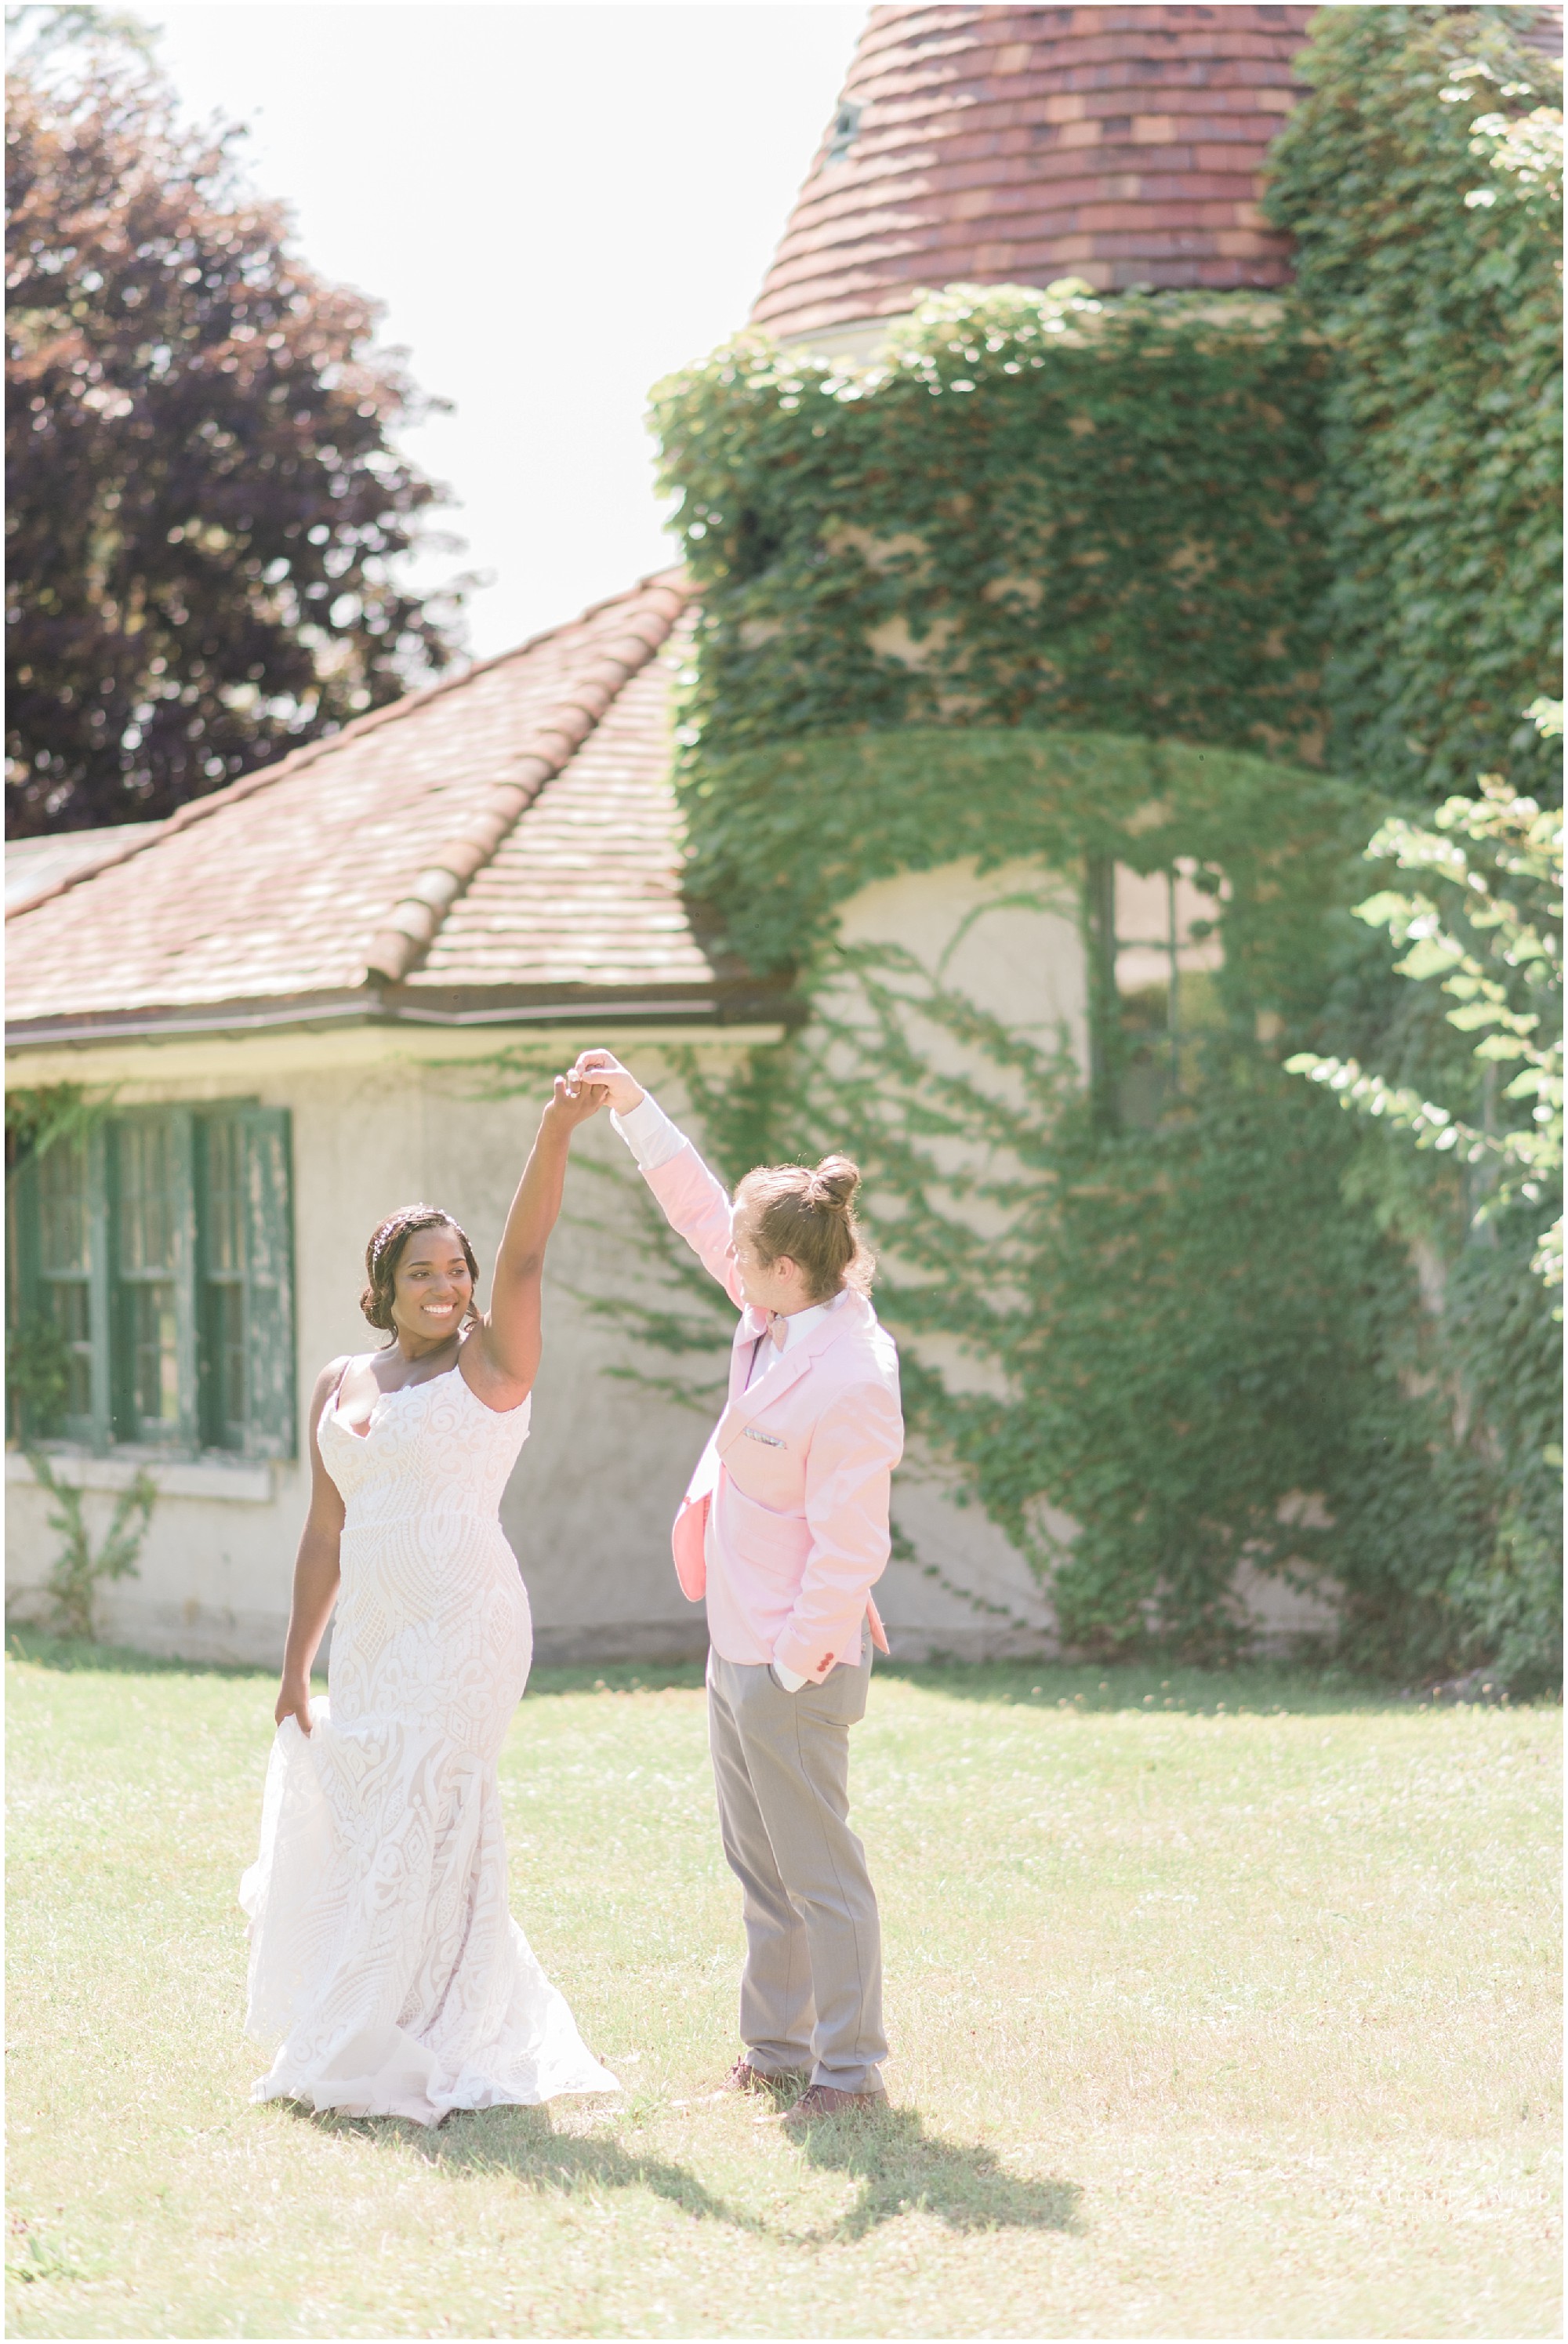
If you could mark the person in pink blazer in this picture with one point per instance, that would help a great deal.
(783, 1529)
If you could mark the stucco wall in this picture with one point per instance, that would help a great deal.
(1009, 939)
(379, 1120)
(589, 1507)
(587, 1511)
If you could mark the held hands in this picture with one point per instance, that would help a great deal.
(576, 1099)
(599, 1067)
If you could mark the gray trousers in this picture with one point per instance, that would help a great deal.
(811, 1994)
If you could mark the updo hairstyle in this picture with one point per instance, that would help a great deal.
(385, 1251)
(810, 1216)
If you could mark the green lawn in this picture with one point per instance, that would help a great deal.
(1221, 2006)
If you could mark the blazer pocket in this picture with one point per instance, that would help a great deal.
(773, 1540)
(767, 1477)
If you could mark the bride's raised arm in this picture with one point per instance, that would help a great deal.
(506, 1339)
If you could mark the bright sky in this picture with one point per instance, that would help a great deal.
(556, 204)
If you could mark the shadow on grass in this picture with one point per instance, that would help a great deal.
(521, 2142)
(903, 2170)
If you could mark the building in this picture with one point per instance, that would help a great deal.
(333, 986)
(1016, 146)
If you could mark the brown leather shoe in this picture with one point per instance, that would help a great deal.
(821, 2100)
(744, 2077)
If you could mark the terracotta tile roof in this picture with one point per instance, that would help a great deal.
(586, 890)
(515, 828)
(36, 866)
(997, 145)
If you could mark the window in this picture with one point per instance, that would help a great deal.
(158, 1245)
(845, 127)
(1156, 953)
(221, 1304)
(151, 1217)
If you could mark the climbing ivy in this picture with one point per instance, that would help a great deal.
(37, 1357)
(1175, 1336)
(1035, 507)
(1054, 579)
(1485, 926)
(1420, 178)
(79, 1570)
(779, 836)
(1469, 1171)
(38, 1120)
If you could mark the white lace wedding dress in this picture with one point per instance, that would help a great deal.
(384, 1960)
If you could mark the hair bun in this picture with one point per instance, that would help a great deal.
(810, 1216)
(838, 1179)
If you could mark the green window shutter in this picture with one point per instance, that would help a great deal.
(21, 1291)
(22, 1240)
(153, 1280)
(267, 1231)
(102, 1428)
(221, 1253)
(56, 1237)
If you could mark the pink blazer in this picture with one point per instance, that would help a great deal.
(790, 1495)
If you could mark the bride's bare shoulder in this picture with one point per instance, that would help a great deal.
(330, 1377)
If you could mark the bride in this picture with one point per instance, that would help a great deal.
(384, 1960)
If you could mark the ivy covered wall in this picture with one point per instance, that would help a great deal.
(1129, 582)
(1420, 178)
(1037, 509)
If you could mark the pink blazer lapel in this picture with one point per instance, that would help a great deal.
(753, 1329)
(786, 1368)
(776, 1377)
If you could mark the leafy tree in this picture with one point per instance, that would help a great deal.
(39, 31)
(206, 507)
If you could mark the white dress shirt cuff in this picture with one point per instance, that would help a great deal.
(791, 1679)
(648, 1133)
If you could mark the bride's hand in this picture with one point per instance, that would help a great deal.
(576, 1099)
(599, 1066)
(293, 1701)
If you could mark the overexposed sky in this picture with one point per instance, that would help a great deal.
(557, 206)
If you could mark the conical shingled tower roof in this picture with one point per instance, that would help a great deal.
(1015, 144)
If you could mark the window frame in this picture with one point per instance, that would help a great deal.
(1117, 1052)
(259, 1201)
(31, 1275)
(219, 1431)
(174, 1129)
